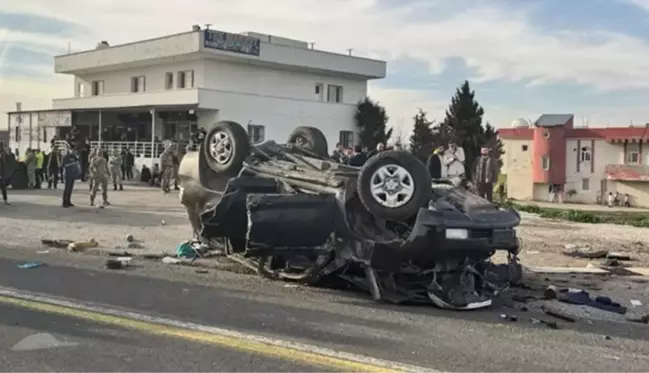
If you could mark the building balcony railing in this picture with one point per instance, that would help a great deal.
(140, 149)
(627, 172)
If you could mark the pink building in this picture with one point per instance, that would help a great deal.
(586, 163)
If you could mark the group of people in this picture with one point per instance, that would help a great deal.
(441, 164)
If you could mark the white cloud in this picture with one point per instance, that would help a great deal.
(498, 43)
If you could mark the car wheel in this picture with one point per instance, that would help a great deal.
(394, 185)
(226, 146)
(310, 138)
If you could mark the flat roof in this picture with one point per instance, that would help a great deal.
(203, 30)
(122, 108)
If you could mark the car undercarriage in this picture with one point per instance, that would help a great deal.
(289, 212)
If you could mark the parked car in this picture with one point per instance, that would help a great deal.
(290, 212)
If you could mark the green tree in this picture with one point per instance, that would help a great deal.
(463, 125)
(422, 139)
(371, 120)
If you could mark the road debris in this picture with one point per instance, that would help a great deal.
(636, 303)
(641, 319)
(509, 317)
(618, 256)
(550, 292)
(171, 260)
(559, 315)
(30, 265)
(129, 238)
(585, 252)
(135, 245)
(58, 244)
(82, 245)
(549, 323)
(43, 252)
(582, 297)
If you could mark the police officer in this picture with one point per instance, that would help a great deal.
(71, 171)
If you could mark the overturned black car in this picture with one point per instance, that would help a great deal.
(290, 212)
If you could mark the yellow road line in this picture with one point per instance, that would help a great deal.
(227, 341)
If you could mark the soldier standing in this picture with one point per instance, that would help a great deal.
(100, 174)
(167, 163)
(176, 160)
(116, 163)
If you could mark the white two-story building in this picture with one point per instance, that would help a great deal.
(140, 93)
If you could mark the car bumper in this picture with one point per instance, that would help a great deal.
(428, 239)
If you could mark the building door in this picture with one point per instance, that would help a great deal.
(601, 196)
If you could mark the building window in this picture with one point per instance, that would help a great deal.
(186, 79)
(138, 84)
(319, 91)
(80, 90)
(524, 148)
(334, 93)
(256, 133)
(585, 154)
(17, 134)
(169, 80)
(44, 134)
(585, 184)
(97, 87)
(346, 139)
(632, 154)
(545, 162)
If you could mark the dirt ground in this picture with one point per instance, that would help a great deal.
(160, 222)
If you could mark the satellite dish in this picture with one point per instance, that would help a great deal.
(521, 123)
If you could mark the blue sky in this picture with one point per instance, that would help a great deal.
(523, 57)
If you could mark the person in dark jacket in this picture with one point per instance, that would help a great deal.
(53, 167)
(338, 154)
(129, 163)
(357, 159)
(3, 172)
(72, 171)
(434, 164)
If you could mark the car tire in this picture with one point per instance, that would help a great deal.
(225, 147)
(310, 138)
(409, 188)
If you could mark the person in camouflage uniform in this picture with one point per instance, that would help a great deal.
(91, 154)
(100, 174)
(116, 163)
(167, 164)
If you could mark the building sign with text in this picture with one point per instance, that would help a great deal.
(232, 42)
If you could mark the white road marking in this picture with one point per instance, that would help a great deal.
(19, 294)
(40, 341)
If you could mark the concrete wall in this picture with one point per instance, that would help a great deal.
(280, 116)
(577, 170)
(119, 81)
(266, 81)
(517, 164)
(638, 191)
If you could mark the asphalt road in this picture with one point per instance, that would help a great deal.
(343, 322)
(32, 341)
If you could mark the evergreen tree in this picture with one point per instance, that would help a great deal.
(422, 139)
(463, 125)
(371, 120)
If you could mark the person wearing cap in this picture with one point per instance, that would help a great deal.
(485, 174)
(434, 164)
